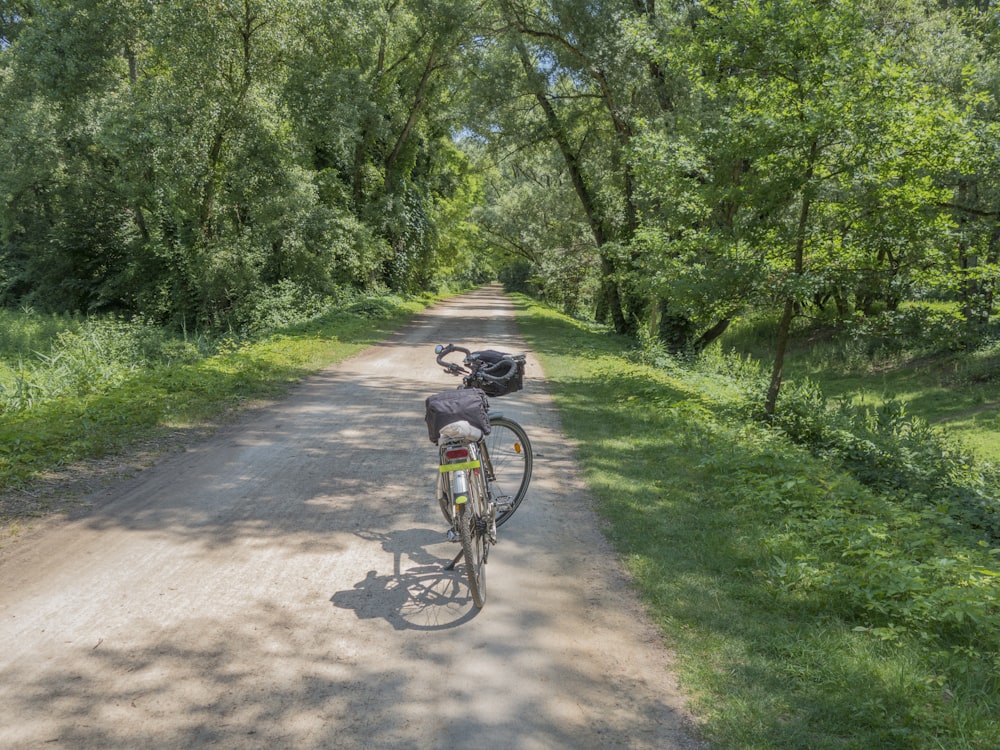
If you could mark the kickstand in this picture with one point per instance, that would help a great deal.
(451, 565)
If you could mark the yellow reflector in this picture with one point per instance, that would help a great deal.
(517, 447)
(465, 465)
(461, 500)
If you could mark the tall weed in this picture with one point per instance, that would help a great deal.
(24, 332)
(93, 356)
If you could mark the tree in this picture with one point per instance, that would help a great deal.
(60, 228)
(811, 131)
(557, 71)
(370, 97)
(180, 159)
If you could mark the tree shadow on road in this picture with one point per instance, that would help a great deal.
(423, 597)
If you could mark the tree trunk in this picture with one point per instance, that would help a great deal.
(411, 119)
(612, 297)
(780, 346)
(711, 334)
(611, 293)
(785, 326)
(209, 188)
(137, 211)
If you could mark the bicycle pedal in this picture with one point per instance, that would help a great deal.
(452, 535)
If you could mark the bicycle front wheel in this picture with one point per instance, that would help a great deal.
(510, 457)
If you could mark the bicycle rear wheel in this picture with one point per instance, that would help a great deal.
(476, 529)
(509, 452)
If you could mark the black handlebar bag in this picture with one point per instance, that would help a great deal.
(505, 371)
(468, 405)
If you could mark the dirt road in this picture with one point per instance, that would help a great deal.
(280, 585)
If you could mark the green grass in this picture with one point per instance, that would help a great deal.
(139, 403)
(806, 610)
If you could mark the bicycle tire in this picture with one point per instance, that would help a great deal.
(511, 458)
(473, 531)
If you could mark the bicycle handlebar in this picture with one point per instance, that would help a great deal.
(450, 367)
(474, 366)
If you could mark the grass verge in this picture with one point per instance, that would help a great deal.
(807, 610)
(152, 403)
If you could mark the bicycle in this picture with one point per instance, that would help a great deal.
(485, 458)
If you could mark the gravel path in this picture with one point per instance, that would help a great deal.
(280, 585)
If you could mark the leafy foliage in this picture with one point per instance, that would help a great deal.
(896, 454)
(179, 161)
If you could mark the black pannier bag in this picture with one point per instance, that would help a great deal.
(509, 368)
(466, 405)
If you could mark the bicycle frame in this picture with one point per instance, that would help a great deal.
(473, 514)
(454, 464)
(482, 462)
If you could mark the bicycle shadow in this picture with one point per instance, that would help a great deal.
(425, 597)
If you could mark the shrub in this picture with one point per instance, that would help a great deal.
(283, 304)
(373, 307)
(916, 328)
